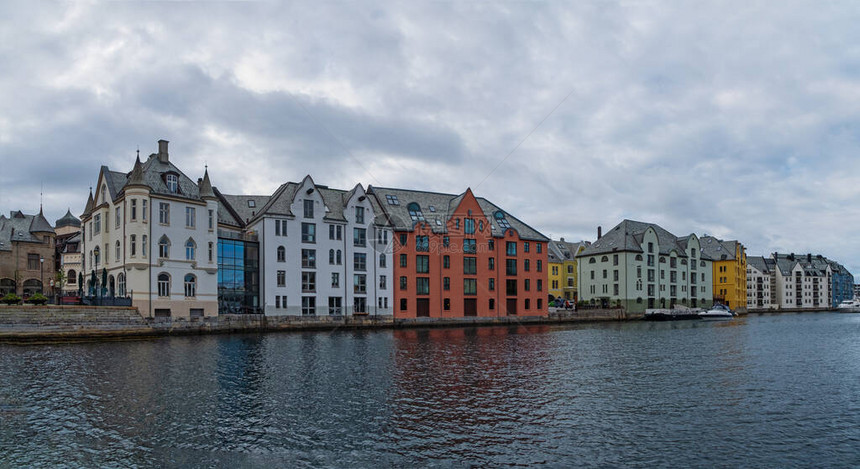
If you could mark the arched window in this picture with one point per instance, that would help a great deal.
(72, 277)
(163, 247)
(120, 283)
(415, 212)
(32, 287)
(338, 257)
(190, 250)
(190, 286)
(117, 254)
(382, 260)
(111, 286)
(604, 259)
(282, 254)
(639, 257)
(501, 220)
(331, 256)
(592, 261)
(163, 284)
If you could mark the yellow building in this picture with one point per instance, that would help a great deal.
(730, 270)
(562, 268)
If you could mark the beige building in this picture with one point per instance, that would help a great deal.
(27, 256)
(68, 254)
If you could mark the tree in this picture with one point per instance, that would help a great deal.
(60, 280)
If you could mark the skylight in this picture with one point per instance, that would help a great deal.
(392, 200)
(252, 203)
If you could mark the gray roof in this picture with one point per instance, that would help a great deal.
(627, 236)
(22, 228)
(68, 220)
(718, 249)
(760, 263)
(437, 208)
(563, 250)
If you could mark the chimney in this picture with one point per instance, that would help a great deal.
(809, 257)
(162, 151)
(562, 240)
(599, 232)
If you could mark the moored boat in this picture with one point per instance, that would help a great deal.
(849, 306)
(719, 311)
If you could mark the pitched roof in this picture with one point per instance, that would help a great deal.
(22, 228)
(437, 208)
(718, 249)
(68, 220)
(628, 235)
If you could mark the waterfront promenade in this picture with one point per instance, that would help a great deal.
(39, 323)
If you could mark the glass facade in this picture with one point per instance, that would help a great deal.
(238, 277)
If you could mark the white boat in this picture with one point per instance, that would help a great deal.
(849, 306)
(719, 311)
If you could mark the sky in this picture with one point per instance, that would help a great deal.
(738, 120)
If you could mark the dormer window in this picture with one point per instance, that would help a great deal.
(415, 212)
(501, 220)
(252, 204)
(392, 200)
(172, 183)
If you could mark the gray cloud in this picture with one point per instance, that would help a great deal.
(736, 119)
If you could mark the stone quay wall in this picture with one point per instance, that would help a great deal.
(30, 323)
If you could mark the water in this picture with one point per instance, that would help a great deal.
(762, 391)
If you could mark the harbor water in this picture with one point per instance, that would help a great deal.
(758, 391)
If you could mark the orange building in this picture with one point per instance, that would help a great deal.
(458, 256)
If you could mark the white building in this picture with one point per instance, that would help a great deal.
(151, 234)
(641, 265)
(787, 281)
(322, 251)
(761, 283)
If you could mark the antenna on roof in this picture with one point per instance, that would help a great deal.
(138, 151)
(41, 189)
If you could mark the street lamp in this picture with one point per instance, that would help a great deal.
(41, 277)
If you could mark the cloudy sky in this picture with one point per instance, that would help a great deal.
(735, 119)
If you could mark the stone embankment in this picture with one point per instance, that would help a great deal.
(43, 323)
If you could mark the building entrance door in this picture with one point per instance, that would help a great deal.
(470, 307)
(422, 309)
(512, 306)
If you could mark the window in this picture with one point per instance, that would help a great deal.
(133, 209)
(143, 211)
(309, 233)
(492, 304)
(190, 217)
(359, 214)
(470, 265)
(280, 227)
(133, 245)
(511, 287)
(528, 303)
(211, 220)
(469, 225)
(392, 200)
(282, 278)
(211, 251)
(120, 281)
(309, 258)
(526, 265)
(527, 285)
(309, 281)
(457, 223)
(491, 263)
(500, 219)
(359, 283)
(650, 247)
(446, 241)
(73, 277)
(615, 275)
(163, 247)
(309, 306)
(282, 254)
(403, 260)
(338, 257)
(308, 206)
(97, 223)
(422, 286)
(446, 262)
(190, 250)
(403, 238)
(422, 243)
(491, 244)
(163, 284)
(615, 259)
(335, 232)
(107, 254)
(422, 264)
(403, 283)
(539, 264)
(511, 266)
(359, 237)
(334, 305)
(511, 248)
(415, 212)
(190, 286)
(277, 302)
(33, 261)
(403, 304)
(335, 279)
(143, 246)
(470, 286)
(446, 283)
(526, 246)
(116, 217)
(383, 282)
(469, 246)
(673, 262)
(359, 261)
(172, 182)
(492, 285)
(446, 304)
(117, 254)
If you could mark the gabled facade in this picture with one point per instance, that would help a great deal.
(27, 256)
(150, 234)
(761, 283)
(563, 281)
(842, 286)
(641, 265)
(462, 256)
(730, 270)
(322, 251)
(68, 252)
(802, 282)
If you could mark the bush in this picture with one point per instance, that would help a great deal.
(10, 299)
(38, 299)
